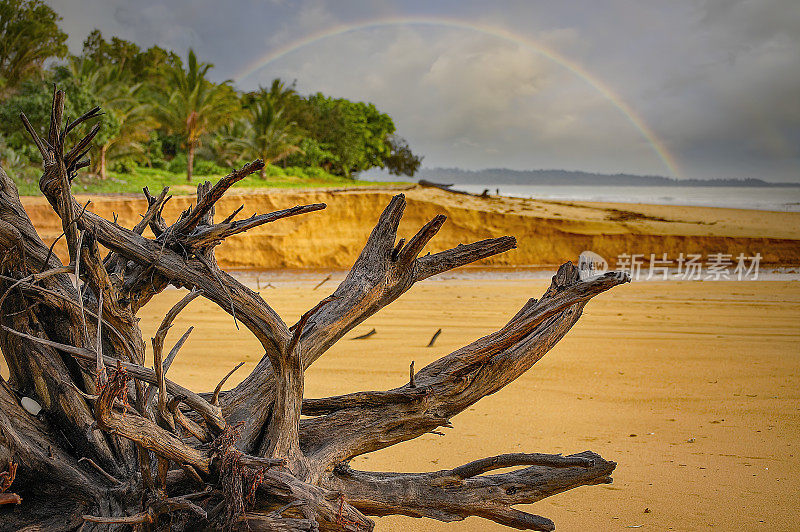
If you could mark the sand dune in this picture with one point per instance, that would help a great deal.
(548, 232)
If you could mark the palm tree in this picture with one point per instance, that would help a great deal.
(268, 135)
(195, 106)
(225, 146)
(136, 121)
(129, 117)
(279, 92)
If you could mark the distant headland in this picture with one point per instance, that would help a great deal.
(505, 176)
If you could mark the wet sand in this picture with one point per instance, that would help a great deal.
(692, 387)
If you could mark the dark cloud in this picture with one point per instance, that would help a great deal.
(717, 81)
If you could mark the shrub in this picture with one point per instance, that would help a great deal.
(178, 164)
(17, 164)
(274, 171)
(153, 151)
(315, 172)
(203, 167)
(125, 165)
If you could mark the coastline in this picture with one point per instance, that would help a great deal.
(548, 232)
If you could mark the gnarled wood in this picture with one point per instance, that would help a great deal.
(455, 494)
(118, 444)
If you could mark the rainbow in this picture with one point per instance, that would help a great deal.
(657, 145)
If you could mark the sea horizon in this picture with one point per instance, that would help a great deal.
(783, 199)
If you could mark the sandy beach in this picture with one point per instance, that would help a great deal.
(692, 387)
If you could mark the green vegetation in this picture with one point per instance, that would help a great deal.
(192, 106)
(30, 36)
(157, 178)
(166, 121)
(267, 134)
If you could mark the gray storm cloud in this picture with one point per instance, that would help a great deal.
(716, 80)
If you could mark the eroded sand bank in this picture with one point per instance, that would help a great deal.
(548, 232)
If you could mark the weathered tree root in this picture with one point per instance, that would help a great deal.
(117, 444)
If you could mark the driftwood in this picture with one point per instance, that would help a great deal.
(434, 337)
(118, 444)
(366, 335)
(447, 187)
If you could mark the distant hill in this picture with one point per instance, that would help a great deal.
(504, 176)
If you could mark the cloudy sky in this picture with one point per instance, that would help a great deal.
(689, 88)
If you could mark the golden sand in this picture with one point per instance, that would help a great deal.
(692, 387)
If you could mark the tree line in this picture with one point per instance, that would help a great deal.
(163, 111)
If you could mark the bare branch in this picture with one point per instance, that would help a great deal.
(232, 215)
(218, 389)
(142, 431)
(56, 113)
(484, 465)
(43, 148)
(452, 495)
(322, 282)
(33, 278)
(151, 515)
(421, 239)
(66, 299)
(102, 378)
(454, 382)
(161, 385)
(434, 337)
(153, 211)
(88, 115)
(191, 427)
(203, 206)
(214, 234)
(161, 366)
(143, 517)
(105, 474)
(85, 338)
(462, 255)
(229, 294)
(383, 273)
(10, 498)
(209, 413)
(374, 282)
(157, 223)
(76, 152)
(321, 407)
(175, 349)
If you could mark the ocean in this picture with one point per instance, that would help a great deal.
(786, 199)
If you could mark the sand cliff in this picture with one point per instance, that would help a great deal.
(547, 232)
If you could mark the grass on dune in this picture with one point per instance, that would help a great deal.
(156, 179)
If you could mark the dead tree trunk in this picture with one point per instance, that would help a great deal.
(118, 444)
